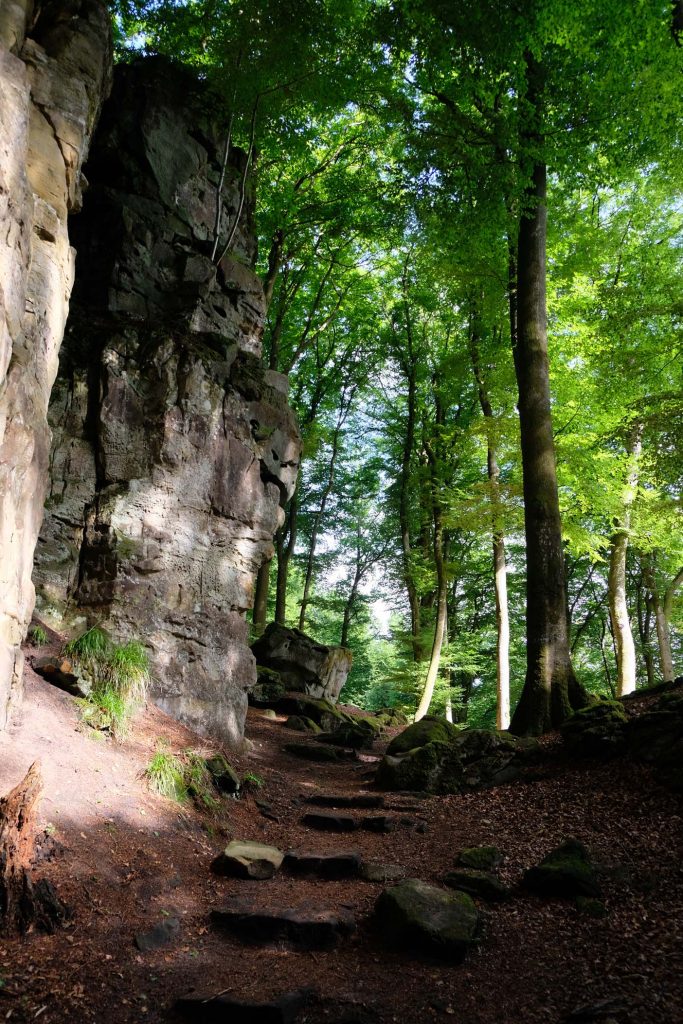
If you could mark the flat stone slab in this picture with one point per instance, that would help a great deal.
(335, 864)
(248, 860)
(362, 801)
(318, 752)
(423, 919)
(219, 1009)
(372, 872)
(305, 927)
(382, 823)
(326, 822)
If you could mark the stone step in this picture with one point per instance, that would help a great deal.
(367, 801)
(319, 752)
(326, 821)
(306, 926)
(222, 1008)
(334, 864)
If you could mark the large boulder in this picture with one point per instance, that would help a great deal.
(303, 664)
(174, 449)
(597, 730)
(656, 738)
(55, 71)
(449, 760)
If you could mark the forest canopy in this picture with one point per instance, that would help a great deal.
(470, 235)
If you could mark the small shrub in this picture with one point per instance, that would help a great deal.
(250, 780)
(165, 774)
(180, 776)
(119, 672)
(37, 636)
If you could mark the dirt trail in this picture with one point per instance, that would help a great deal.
(126, 860)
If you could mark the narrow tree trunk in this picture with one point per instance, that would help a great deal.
(404, 510)
(440, 625)
(661, 623)
(23, 902)
(551, 690)
(616, 583)
(643, 607)
(441, 583)
(319, 518)
(260, 616)
(285, 540)
(499, 564)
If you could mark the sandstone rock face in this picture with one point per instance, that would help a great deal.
(55, 65)
(302, 663)
(174, 450)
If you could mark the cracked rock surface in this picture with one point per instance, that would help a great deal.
(55, 67)
(174, 449)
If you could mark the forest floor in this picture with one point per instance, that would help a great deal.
(125, 860)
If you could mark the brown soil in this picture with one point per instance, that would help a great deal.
(124, 860)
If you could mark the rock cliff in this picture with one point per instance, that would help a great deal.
(55, 64)
(174, 449)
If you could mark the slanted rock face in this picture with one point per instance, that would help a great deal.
(302, 663)
(174, 449)
(55, 65)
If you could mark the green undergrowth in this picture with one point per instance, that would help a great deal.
(181, 777)
(119, 675)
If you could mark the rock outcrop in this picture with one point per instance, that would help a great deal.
(55, 65)
(174, 449)
(302, 664)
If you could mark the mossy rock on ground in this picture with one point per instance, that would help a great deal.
(480, 858)
(567, 871)
(318, 752)
(428, 730)
(657, 739)
(392, 717)
(433, 768)
(423, 919)
(478, 883)
(320, 711)
(299, 723)
(466, 759)
(269, 688)
(348, 734)
(223, 775)
(598, 730)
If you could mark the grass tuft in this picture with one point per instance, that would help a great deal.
(119, 672)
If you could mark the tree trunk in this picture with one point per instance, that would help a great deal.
(644, 610)
(661, 621)
(404, 505)
(260, 616)
(440, 625)
(616, 583)
(499, 564)
(441, 583)
(24, 903)
(346, 401)
(551, 690)
(285, 539)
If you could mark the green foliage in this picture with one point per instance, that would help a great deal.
(119, 672)
(252, 780)
(37, 636)
(181, 776)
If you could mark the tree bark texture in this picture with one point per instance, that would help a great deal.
(23, 902)
(616, 583)
(551, 690)
(499, 564)
(260, 616)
